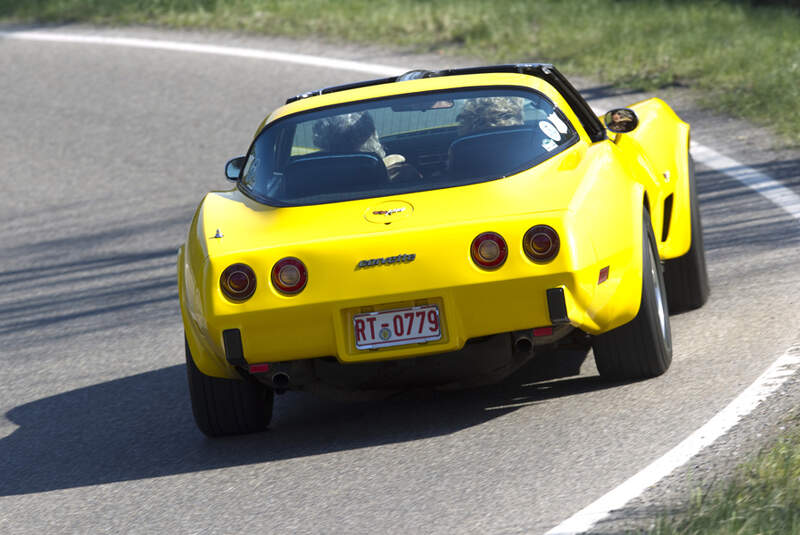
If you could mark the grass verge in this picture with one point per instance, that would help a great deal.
(763, 498)
(743, 60)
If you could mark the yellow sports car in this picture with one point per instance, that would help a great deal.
(437, 228)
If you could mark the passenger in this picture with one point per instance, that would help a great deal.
(355, 132)
(485, 113)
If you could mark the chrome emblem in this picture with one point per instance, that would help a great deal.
(399, 259)
(389, 212)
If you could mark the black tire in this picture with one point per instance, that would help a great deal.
(227, 406)
(641, 348)
(687, 276)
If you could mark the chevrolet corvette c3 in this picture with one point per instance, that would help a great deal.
(437, 228)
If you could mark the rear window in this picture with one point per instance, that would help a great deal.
(403, 144)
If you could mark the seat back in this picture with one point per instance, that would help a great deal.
(327, 174)
(497, 152)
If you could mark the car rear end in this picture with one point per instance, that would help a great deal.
(351, 261)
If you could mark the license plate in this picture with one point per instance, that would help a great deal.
(386, 328)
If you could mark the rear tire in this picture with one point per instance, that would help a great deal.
(687, 276)
(641, 348)
(227, 406)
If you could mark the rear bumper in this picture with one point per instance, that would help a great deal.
(326, 329)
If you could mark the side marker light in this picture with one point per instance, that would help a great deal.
(542, 331)
(259, 368)
(603, 275)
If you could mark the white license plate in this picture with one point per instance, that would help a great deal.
(386, 328)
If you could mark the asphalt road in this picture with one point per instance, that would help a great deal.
(106, 152)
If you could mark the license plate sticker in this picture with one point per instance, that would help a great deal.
(385, 328)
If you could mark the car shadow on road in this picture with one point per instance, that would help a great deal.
(141, 426)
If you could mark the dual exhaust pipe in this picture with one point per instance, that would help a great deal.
(522, 341)
(280, 381)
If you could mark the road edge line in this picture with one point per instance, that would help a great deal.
(777, 374)
(199, 48)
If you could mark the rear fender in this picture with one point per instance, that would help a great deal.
(659, 149)
(192, 261)
(611, 216)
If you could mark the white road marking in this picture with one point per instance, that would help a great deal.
(762, 184)
(198, 48)
(761, 389)
(783, 368)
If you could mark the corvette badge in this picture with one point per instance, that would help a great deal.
(388, 212)
(399, 259)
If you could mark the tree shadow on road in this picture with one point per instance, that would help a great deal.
(735, 215)
(60, 283)
(141, 426)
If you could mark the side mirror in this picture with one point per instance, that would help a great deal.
(233, 169)
(621, 120)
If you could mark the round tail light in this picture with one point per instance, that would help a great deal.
(289, 275)
(541, 243)
(238, 282)
(489, 250)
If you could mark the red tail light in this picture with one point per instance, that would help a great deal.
(541, 243)
(238, 282)
(489, 250)
(289, 276)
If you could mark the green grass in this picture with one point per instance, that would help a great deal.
(741, 59)
(762, 499)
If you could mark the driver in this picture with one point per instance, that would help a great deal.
(355, 132)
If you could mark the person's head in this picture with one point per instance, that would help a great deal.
(620, 117)
(489, 112)
(349, 132)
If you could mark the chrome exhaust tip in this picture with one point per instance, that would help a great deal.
(522, 341)
(280, 381)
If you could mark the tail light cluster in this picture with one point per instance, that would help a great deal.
(540, 243)
(238, 281)
(489, 250)
(289, 276)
